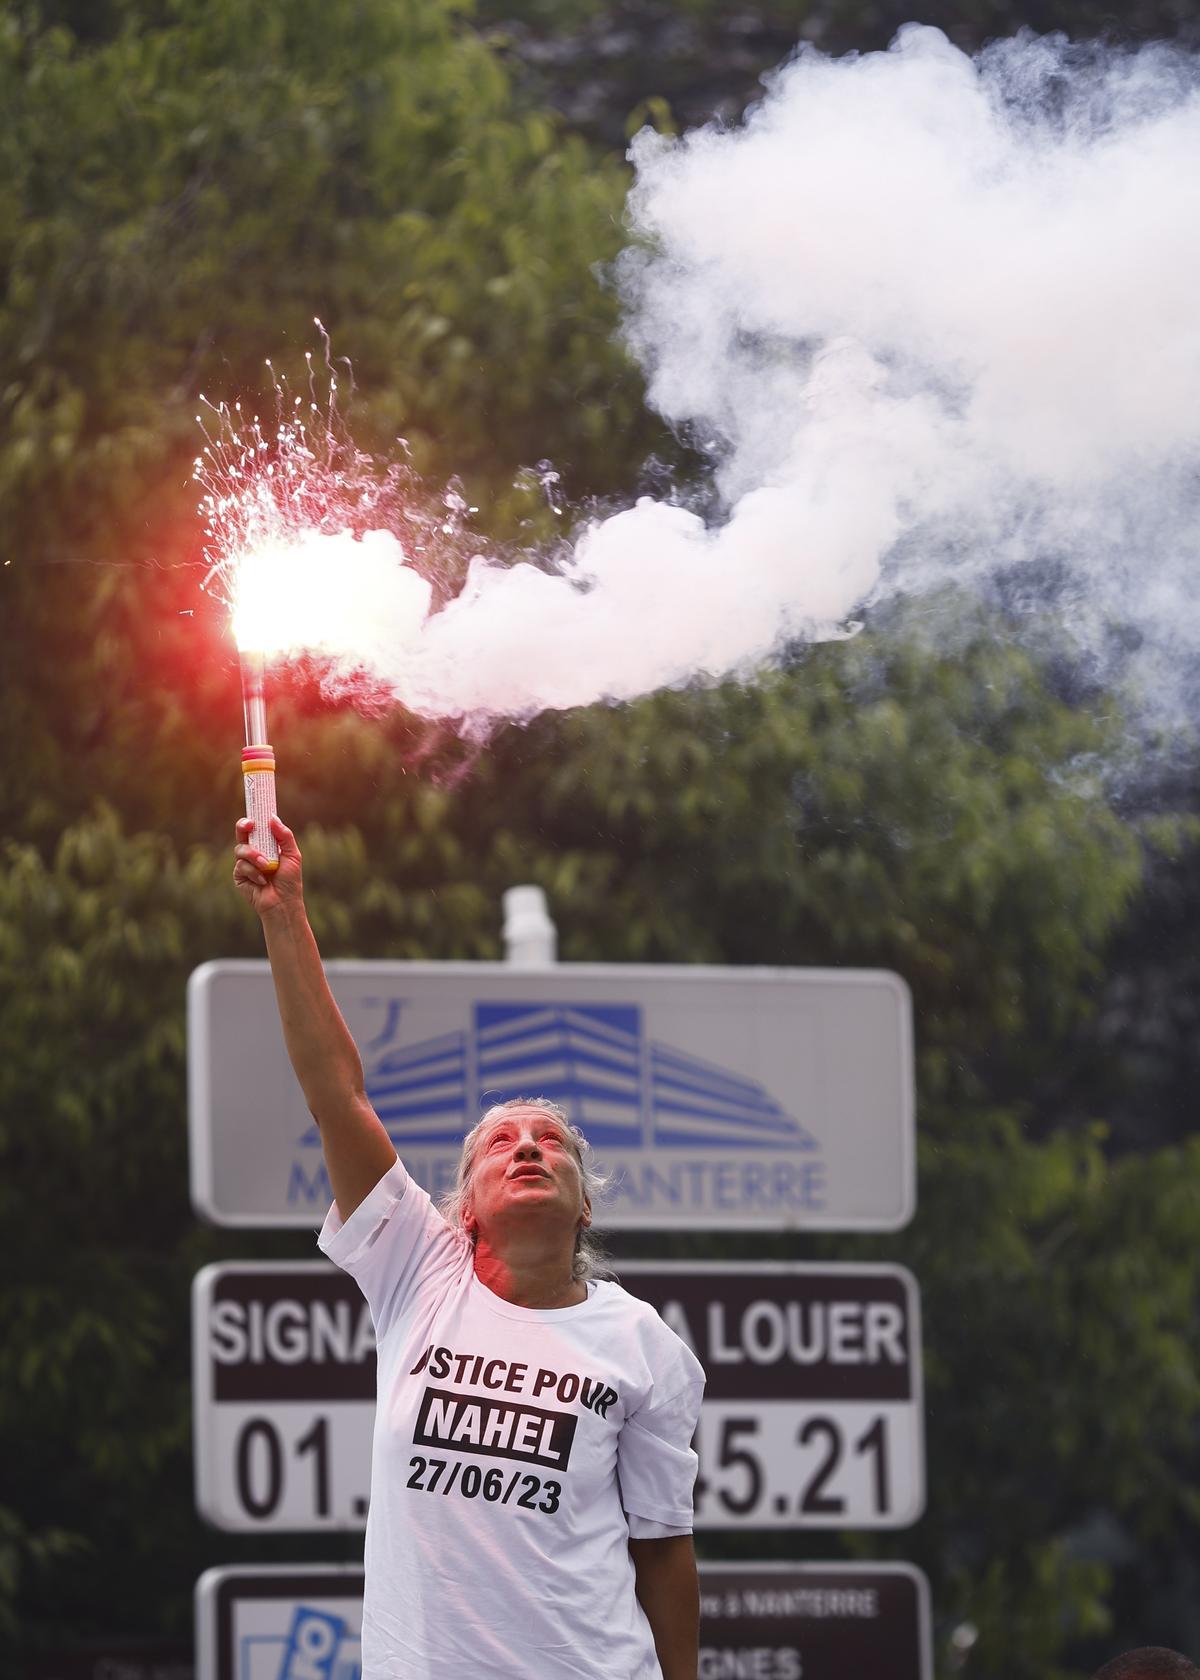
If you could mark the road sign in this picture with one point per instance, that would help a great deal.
(717, 1097)
(283, 1396)
(812, 1416)
(769, 1621)
(279, 1622)
(813, 1411)
(814, 1621)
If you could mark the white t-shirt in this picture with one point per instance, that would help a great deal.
(514, 1453)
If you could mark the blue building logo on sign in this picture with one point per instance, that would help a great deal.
(622, 1090)
(633, 1097)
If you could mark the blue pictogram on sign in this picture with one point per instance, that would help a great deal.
(319, 1647)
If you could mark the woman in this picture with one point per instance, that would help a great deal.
(531, 1477)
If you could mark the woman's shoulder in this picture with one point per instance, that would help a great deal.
(645, 1320)
(662, 1362)
(613, 1293)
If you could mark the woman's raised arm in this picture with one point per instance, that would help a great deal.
(325, 1058)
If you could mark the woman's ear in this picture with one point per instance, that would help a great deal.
(585, 1218)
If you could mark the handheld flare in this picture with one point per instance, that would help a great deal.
(258, 758)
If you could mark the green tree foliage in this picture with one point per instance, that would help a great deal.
(183, 184)
(180, 194)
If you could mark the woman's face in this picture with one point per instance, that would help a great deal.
(525, 1168)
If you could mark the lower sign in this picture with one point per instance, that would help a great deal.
(758, 1621)
(814, 1621)
(279, 1622)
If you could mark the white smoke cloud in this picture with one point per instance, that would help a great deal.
(937, 315)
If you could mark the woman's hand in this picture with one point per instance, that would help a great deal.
(267, 891)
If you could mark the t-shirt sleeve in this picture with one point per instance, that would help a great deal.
(641, 1528)
(655, 1461)
(394, 1244)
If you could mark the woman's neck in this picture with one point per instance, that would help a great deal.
(542, 1282)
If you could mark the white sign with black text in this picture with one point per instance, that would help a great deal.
(812, 1415)
(283, 1396)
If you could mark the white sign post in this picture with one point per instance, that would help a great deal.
(812, 1416)
(734, 1098)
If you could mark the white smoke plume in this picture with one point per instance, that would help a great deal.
(931, 316)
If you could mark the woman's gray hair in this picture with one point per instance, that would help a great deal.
(590, 1260)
